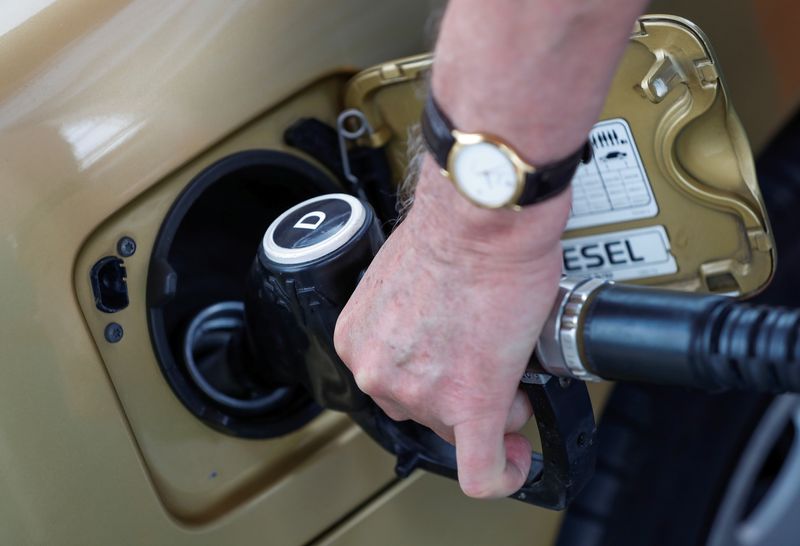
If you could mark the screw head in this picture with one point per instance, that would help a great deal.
(564, 382)
(126, 247)
(113, 332)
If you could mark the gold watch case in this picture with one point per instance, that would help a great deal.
(521, 167)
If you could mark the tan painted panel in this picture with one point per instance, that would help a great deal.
(426, 509)
(98, 102)
(199, 473)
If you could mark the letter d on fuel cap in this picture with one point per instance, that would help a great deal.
(306, 223)
(313, 228)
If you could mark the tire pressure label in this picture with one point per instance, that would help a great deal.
(613, 187)
(620, 255)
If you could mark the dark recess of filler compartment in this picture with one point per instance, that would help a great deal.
(202, 254)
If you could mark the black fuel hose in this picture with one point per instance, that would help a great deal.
(631, 333)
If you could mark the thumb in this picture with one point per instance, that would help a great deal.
(490, 463)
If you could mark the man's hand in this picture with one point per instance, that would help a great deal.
(443, 324)
(441, 327)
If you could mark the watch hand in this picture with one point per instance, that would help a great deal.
(487, 174)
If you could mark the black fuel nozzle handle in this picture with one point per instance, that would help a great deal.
(308, 265)
(306, 268)
(602, 330)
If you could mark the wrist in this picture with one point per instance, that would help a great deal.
(454, 222)
(533, 73)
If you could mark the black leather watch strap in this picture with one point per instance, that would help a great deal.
(437, 130)
(547, 181)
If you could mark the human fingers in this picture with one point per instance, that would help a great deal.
(391, 408)
(520, 412)
(445, 433)
(397, 413)
(490, 463)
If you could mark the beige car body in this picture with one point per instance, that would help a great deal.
(107, 110)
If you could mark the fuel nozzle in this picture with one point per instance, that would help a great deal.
(309, 263)
(266, 357)
(310, 260)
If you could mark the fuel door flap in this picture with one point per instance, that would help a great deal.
(670, 197)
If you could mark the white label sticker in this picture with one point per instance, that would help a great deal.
(620, 255)
(613, 187)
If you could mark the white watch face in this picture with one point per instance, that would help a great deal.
(485, 174)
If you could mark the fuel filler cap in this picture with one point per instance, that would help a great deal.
(314, 229)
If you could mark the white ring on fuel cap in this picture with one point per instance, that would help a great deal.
(290, 256)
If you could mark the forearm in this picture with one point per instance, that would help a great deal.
(534, 73)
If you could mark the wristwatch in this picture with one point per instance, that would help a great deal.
(488, 171)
